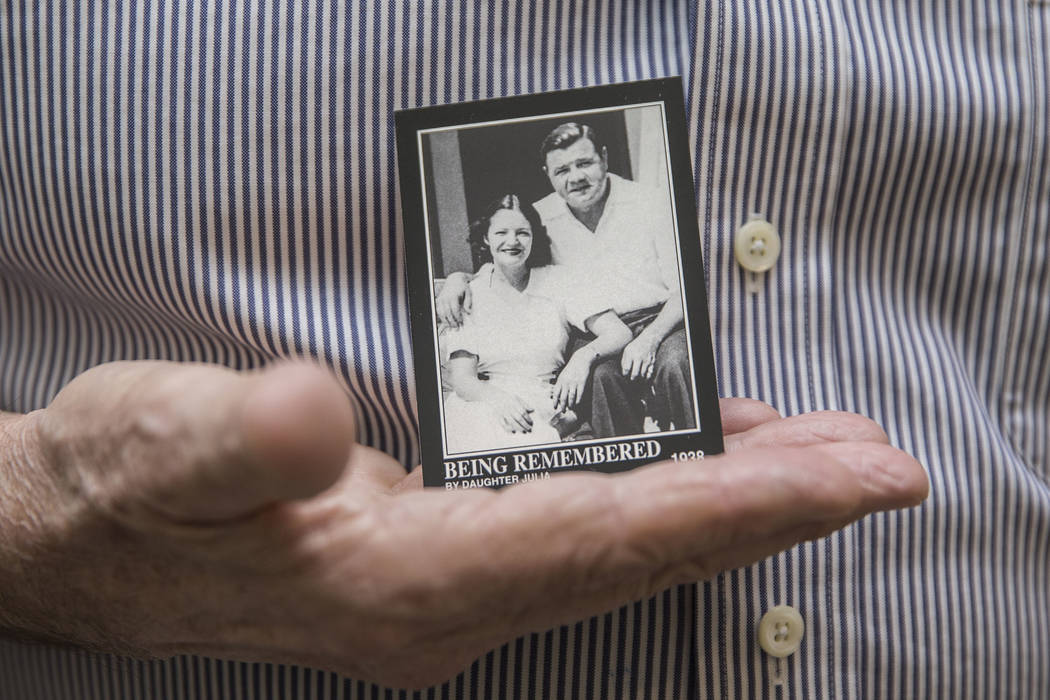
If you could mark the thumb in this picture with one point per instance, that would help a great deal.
(199, 443)
(468, 301)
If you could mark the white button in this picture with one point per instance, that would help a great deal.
(757, 244)
(780, 631)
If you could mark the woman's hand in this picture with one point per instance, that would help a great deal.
(158, 509)
(515, 415)
(572, 380)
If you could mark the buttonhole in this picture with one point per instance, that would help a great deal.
(776, 671)
(753, 282)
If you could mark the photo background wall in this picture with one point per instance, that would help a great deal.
(468, 168)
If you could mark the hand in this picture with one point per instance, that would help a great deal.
(568, 389)
(454, 300)
(514, 414)
(639, 357)
(157, 509)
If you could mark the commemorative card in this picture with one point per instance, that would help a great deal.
(556, 285)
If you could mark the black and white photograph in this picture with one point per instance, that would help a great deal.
(556, 285)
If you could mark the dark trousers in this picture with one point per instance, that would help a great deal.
(618, 406)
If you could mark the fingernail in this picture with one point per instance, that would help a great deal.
(894, 474)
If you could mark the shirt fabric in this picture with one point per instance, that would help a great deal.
(215, 181)
(634, 244)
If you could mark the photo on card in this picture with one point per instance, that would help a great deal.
(556, 286)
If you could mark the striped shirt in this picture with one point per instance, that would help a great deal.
(214, 180)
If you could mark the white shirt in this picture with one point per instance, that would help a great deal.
(633, 247)
(523, 333)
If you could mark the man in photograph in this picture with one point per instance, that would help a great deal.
(617, 235)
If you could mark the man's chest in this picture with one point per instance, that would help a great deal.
(621, 238)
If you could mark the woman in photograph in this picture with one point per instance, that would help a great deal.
(511, 383)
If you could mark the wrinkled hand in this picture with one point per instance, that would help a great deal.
(568, 389)
(454, 300)
(639, 357)
(514, 414)
(156, 509)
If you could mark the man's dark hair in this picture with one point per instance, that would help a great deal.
(541, 242)
(564, 135)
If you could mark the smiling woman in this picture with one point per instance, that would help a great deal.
(506, 363)
(503, 216)
(509, 239)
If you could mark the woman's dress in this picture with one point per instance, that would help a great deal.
(519, 339)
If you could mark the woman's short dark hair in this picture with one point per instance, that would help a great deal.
(541, 242)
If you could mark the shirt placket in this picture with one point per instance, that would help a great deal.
(765, 94)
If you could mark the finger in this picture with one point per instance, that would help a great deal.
(873, 476)
(739, 414)
(609, 540)
(809, 429)
(559, 397)
(521, 422)
(600, 529)
(369, 471)
(413, 481)
(566, 398)
(737, 556)
(509, 424)
(444, 312)
(468, 301)
(200, 442)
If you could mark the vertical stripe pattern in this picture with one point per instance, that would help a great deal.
(900, 149)
(213, 180)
